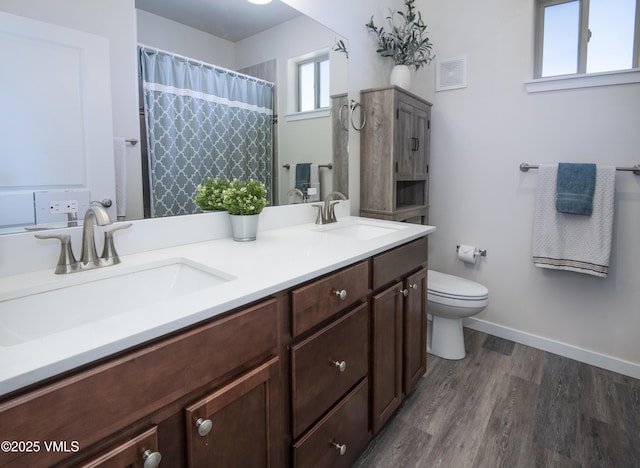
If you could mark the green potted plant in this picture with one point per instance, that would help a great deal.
(244, 200)
(209, 194)
(405, 41)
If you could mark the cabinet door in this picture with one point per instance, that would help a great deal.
(420, 143)
(141, 451)
(405, 142)
(234, 426)
(386, 367)
(415, 329)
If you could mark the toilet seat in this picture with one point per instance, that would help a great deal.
(455, 291)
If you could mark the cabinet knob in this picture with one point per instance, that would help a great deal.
(342, 448)
(342, 294)
(151, 459)
(404, 292)
(341, 365)
(413, 286)
(204, 426)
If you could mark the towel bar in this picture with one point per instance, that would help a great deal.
(524, 167)
(328, 166)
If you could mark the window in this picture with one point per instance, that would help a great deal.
(586, 36)
(313, 84)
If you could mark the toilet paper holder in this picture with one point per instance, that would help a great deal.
(480, 252)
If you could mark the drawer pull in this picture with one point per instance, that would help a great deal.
(151, 459)
(342, 294)
(342, 448)
(204, 426)
(404, 292)
(341, 365)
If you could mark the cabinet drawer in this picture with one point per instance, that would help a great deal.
(318, 380)
(346, 425)
(97, 402)
(392, 265)
(317, 301)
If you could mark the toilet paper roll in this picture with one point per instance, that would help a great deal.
(467, 253)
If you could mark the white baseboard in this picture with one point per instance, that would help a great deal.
(573, 352)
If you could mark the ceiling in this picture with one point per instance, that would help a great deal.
(232, 20)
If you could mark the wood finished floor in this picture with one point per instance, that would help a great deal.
(509, 405)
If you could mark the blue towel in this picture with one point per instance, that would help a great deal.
(574, 188)
(303, 175)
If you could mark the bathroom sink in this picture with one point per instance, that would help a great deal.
(99, 294)
(361, 229)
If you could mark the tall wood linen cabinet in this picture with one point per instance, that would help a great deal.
(394, 155)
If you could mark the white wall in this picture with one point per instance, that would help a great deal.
(156, 31)
(480, 135)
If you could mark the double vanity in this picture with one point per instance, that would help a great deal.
(293, 350)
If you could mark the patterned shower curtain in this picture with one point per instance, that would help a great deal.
(202, 121)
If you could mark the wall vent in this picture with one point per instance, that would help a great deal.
(451, 74)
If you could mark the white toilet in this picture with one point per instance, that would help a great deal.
(450, 299)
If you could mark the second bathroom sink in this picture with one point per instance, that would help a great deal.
(361, 229)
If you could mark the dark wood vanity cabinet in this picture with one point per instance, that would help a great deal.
(399, 321)
(302, 379)
(103, 411)
(329, 369)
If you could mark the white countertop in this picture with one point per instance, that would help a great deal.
(277, 260)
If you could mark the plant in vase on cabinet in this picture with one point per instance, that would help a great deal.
(244, 200)
(405, 41)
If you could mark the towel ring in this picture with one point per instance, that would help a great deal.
(363, 119)
(343, 107)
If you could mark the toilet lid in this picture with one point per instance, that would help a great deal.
(441, 284)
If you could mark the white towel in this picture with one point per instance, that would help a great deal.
(314, 184)
(572, 242)
(120, 161)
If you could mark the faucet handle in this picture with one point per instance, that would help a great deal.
(320, 216)
(66, 261)
(109, 253)
(331, 216)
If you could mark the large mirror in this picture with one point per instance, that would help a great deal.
(316, 137)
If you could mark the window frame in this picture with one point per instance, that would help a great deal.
(316, 60)
(583, 39)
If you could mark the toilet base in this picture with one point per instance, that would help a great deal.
(446, 339)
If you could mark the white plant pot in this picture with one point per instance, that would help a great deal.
(401, 76)
(244, 228)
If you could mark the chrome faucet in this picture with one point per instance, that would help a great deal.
(100, 216)
(297, 191)
(89, 259)
(326, 212)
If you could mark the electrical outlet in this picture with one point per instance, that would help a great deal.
(66, 206)
(54, 206)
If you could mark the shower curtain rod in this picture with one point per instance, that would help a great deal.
(210, 65)
(524, 167)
